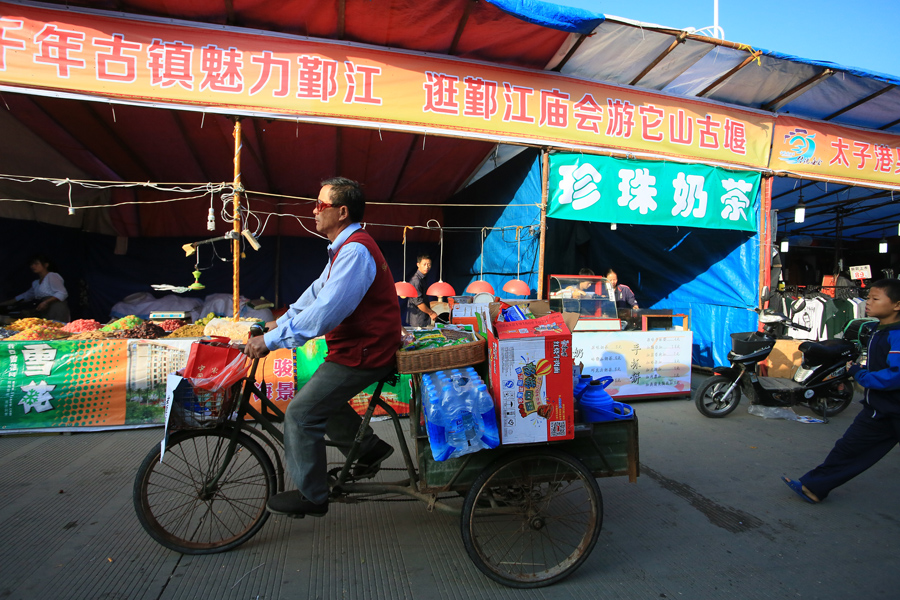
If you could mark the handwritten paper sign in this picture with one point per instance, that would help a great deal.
(641, 363)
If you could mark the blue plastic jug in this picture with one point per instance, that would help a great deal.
(597, 405)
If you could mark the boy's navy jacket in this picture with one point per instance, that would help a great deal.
(881, 376)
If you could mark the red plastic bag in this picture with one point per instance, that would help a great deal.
(214, 365)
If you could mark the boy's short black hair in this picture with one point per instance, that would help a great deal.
(422, 257)
(585, 271)
(891, 288)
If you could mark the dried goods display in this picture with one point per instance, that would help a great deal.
(90, 335)
(188, 331)
(80, 325)
(171, 324)
(39, 332)
(29, 322)
(129, 322)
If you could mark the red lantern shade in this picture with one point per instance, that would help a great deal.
(517, 287)
(405, 289)
(480, 286)
(440, 289)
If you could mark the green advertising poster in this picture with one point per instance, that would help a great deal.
(616, 190)
(312, 354)
(86, 383)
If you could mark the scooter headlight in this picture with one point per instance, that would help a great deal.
(802, 374)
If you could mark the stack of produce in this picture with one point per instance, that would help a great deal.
(39, 332)
(81, 325)
(171, 324)
(129, 322)
(237, 331)
(28, 323)
(147, 331)
(188, 331)
(90, 335)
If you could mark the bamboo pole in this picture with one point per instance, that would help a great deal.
(236, 242)
(545, 193)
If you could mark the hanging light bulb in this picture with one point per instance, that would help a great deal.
(800, 209)
(784, 245)
(440, 289)
(612, 226)
(517, 286)
(883, 245)
(480, 285)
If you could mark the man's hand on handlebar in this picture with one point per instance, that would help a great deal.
(256, 345)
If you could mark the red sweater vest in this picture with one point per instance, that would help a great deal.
(370, 336)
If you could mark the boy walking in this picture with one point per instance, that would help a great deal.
(876, 429)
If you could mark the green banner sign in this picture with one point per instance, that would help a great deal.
(615, 190)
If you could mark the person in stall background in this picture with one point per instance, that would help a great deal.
(418, 312)
(585, 288)
(48, 291)
(624, 296)
(876, 429)
(354, 304)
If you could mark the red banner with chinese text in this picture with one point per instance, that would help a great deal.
(228, 69)
(833, 151)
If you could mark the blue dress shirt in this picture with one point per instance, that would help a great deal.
(330, 299)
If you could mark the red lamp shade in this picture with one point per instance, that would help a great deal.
(480, 286)
(440, 289)
(405, 289)
(517, 287)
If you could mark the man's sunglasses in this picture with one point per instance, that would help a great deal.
(320, 206)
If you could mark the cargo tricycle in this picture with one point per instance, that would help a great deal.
(529, 514)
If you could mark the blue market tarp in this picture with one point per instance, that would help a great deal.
(513, 195)
(554, 16)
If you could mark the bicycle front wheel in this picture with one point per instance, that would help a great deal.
(181, 507)
(532, 518)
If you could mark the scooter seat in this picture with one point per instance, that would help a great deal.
(819, 353)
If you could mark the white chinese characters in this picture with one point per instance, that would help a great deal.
(579, 185)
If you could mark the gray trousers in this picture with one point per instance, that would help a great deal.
(321, 407)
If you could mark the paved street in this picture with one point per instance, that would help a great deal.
(708, 518)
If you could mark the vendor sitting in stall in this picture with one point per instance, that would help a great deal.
(624, 296)
(584, 289)
(48, 292)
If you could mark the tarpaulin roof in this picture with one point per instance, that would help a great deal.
(147, 144)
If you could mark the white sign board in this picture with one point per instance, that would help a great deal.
(862, 272)
(641, 363)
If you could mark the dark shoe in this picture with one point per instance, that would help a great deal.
(798, 489)
(367, 466)
(295, 504)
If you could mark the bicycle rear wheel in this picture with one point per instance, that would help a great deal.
(532, 518)
(180, 509)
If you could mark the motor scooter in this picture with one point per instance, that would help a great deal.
(821, 382)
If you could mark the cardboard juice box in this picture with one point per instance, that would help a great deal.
(531, 379)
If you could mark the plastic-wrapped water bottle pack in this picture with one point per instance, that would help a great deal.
(459, 413)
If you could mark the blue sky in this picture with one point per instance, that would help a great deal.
(854, 33)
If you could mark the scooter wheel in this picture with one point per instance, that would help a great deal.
(839, 398)
(713, 399)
